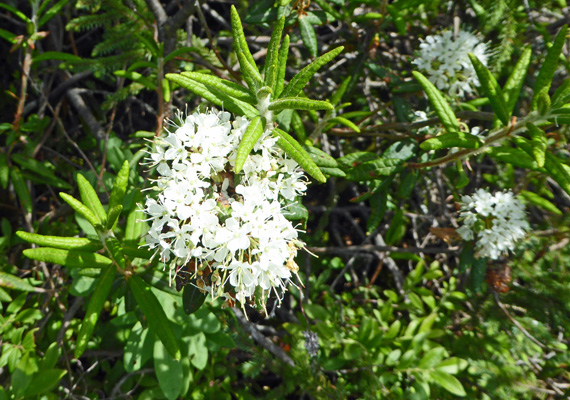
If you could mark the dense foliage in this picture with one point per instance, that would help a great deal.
(154, 248)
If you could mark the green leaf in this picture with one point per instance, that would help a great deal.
(16, 12)
(135, 227)
(13, 282)
(139, 348)
(198, 351)
(22, 376)
(52, 12)
(230, 88)
(60, 242)
(21, 189)
(452, 365)
(441, 107)
(252, 134)
(491, 89)
(113, 216)
(248, 67)
(136, 77)
(98, 298)
(346, 122)
(432, 357)
(370, 170)
(299, 103)
(538, 142)
(155, 315)
(296, 211)
(68, 258)
(448, 382)
(328, 171)
(44, 382)
(513, 87)
(549, 66)
(40, 169)
(562, 95)
(8, 36)
(304, 76)
(4, 170)
(396, 231)
(215, 96)
(540, 202)
(452, 139)
(192, 299)
(321, 158)
(556, 171)
(308, 35)
(119, 188)
(297, 153)
(477, 273)
(378, 206)
(168, 371)
(517, 157)
(90, 198)
(271, 66)
(354, 159)
(81, 209)
(281, 67)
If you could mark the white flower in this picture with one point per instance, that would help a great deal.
(496, 221)
(236, 233)
(446, 62)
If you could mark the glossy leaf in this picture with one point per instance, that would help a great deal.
(215, 96)
(452, 139)
(370, 170)
(297, 153)
(448, 382)
(321, 158)
(346, 122)
(113, 216)
(271, 66)
(155, 315)
(538, 143)
(13, 282)
(230, 88)
(248, 67)
(328, 171)
(96, 302)
(304, 76)
(281, 67)
(308, 35)
(60, 242)
(119, 187)
(299, 103)
(549, 66)
(82, 210)
(90, 198)
(192, 299)
(491, 89)
(21, 189)
(517, 157)
(68, 258)
(252, 134)
(513, 87)
(439, 104)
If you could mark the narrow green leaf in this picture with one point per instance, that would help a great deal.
(299, 103)
(538, 142)
(8, 36)
(98, 299)
(556, 171)
(281, 67)
(441, 107)
(136, 77)
(52, 12)
(4, 170)
(346, 122)
(113, 215)
(353, 159)
(16, 12)
(432, 357)
(230, 88)
(491, 89)
(119, 188)
(296, 152)
(549, 66)
(272, 59)
(378, 206)
(562, 95)
(215, 96)
(40, 169)
(44, 382)
(304, 76)
(135, 227)
(60, 242)
(155, 316)
(298, 126)
(308, 35)
(168, 371)
(90, 198)
(321, 158)
(82, 210)
(513, 87)
(452, 139)
(68, 258)
(374, 169)
(192, 299)
(452, 365)
(21, 189)
(13, 282)
(248, 67)
(448, 382)
(251, 136)
(165, 90)
(328, 171)
(540, 202)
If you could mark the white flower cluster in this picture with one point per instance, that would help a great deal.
(446, 62)
(229, 232)
(497, 221)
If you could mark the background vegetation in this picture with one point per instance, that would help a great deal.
(395, 306)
